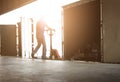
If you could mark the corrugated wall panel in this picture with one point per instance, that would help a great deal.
(82, 30)
(8, 40)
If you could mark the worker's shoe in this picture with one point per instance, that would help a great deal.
(32, 55)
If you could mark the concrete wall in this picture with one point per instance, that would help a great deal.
(111, 30)
(8, 5)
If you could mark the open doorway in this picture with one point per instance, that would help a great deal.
(26, 30)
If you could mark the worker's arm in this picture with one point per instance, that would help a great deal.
(47, 27)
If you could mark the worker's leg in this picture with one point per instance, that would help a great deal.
(44, 49)
(37, 47)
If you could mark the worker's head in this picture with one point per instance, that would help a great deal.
(42, 18)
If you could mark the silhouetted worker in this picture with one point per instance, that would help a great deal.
(40, 28)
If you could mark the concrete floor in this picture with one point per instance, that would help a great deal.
(13, 69)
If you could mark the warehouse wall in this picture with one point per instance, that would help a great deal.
(8, 5)
(82, 31)
(0, 7)
(0, 40)
(8, 40)
(111, 30)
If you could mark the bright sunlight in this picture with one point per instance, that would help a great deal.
(50, 9)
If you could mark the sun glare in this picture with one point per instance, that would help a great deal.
(50, 9)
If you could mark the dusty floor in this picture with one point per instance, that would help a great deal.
(13, 69)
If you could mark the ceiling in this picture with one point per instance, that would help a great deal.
(8, 5)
